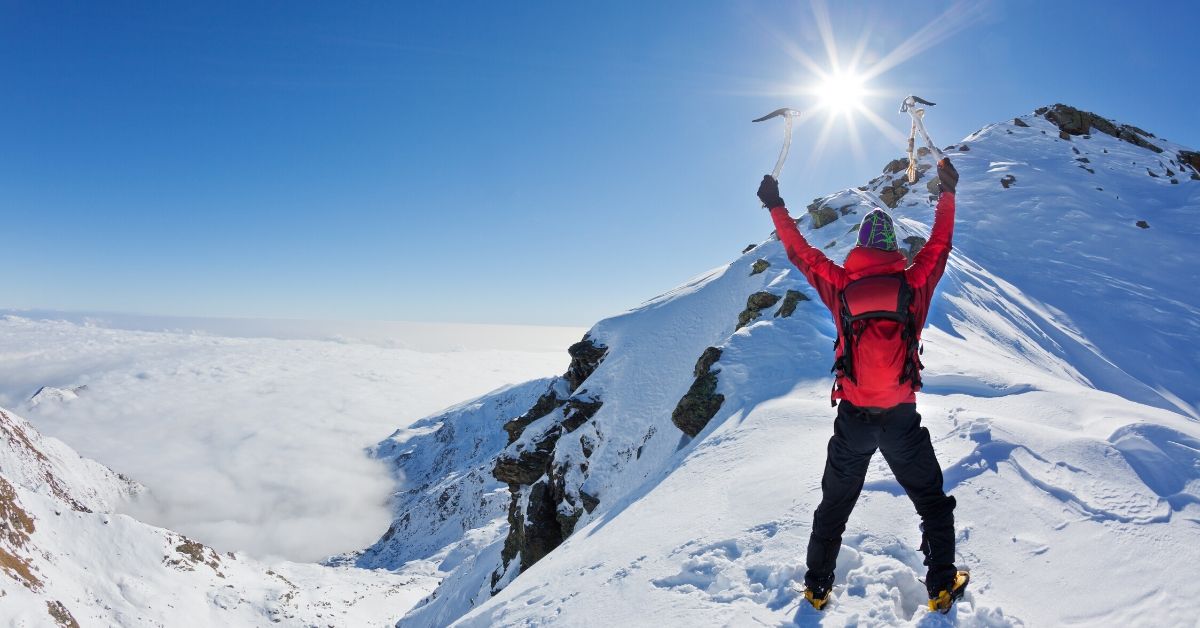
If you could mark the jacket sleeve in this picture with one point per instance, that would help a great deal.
(930, 261)
(824, 275)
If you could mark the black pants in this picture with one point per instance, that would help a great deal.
(897, 432)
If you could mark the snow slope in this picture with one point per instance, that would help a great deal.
(1061, 393)
(67, 559)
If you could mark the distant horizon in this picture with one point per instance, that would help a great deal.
(422, 336)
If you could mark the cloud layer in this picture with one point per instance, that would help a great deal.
(248, 444)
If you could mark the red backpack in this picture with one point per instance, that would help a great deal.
(876, 307)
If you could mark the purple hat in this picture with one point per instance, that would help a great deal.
(877, 231)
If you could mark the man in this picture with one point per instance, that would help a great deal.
(880, 304)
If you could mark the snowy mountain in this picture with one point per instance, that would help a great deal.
(69, 560)
(668, 478)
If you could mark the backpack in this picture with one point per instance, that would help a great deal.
(865, 302)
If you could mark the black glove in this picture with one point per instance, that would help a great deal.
(768, 192)
(947, 175)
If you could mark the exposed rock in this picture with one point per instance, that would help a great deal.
(1192, 159)
(934, 186)
(1064, 135)
(821, 215)
(759, 266)
(914, 246)
(195, 553)
(1020, 122)
(586, 355)
(578, 411)
(542, 532)
(701, 402)
(16, 527)
(964, 148)
(1143, 224)
(1007, 180)
(892, 194)
(530, 464)
(61, 616)
(1151, 173)
(547, 403)
(749, 247)
(1072, 121)
(589, 502)
(790, 299)
(755, 304)
(896, 165)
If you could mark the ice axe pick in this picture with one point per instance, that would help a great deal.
(787, 115)
(909, 106)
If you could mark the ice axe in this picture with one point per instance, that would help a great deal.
(787, 115)
(909, 106)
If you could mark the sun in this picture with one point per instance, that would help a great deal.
(841, 92)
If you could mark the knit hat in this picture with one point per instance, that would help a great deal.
(877, 231)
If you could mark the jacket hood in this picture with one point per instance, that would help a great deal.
(864, 261)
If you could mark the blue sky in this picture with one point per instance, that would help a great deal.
(510, 162)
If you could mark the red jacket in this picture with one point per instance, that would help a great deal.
(878, 378)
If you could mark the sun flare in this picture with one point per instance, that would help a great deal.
(841, 92)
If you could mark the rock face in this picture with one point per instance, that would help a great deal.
(755, 304)
(1191, 159)
(759, 266)
(821, 214)
(701, 402)
(541, 513)
(790, 299)
(915, 243)
(1072, 121)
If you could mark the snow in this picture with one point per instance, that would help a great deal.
(1062, 401)
(109, 569)
(1062, 398)
(245, 443)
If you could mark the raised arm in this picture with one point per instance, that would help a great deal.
(824, 275)
(930, 261)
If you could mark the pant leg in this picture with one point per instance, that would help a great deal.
(909, 452)
(847, 458)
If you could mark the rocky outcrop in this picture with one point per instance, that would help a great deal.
(1143, 224)
(586, 355)
(915, 243)
(759, 266)
(790, 299)
(1072, 121)
(541, 513)
(702, 401)
(895, 191)
(547, 403)
(821, 214)
(1192, 160)
(1007, 180)
(896, 165)
(755, 304)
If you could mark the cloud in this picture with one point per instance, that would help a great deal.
(247, 444)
